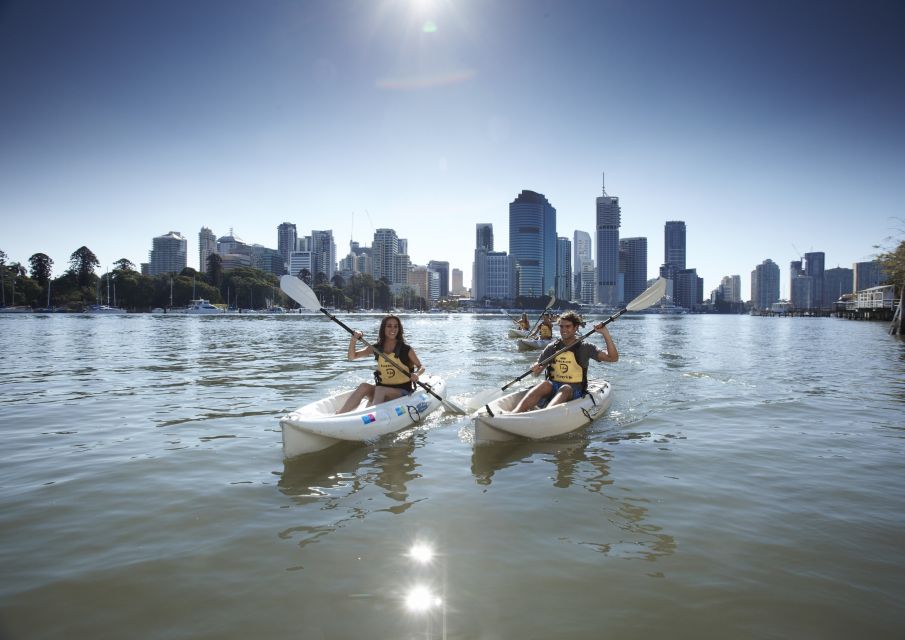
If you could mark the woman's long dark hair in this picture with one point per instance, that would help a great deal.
(381, 336)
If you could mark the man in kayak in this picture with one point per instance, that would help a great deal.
(545, 328)
(397, 366)
(567, 373)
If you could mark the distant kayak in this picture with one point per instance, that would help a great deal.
(518, 333)
(532, 344)
(495, 422)
(315, 426)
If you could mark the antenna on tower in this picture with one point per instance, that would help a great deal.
(603, 182)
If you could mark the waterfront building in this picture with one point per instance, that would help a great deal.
(867, 275)
(836, 283)
(588, 290)
(484, 236)
(323, 250)
(168, 254)
(814, 266)
(764, 285)
(581, 247)
(730, 288)
(563, 276)
(385, 249)
(403, 266)
(267, 259)
(688, 290)
(458, 288)
(301, 261)
(532, 242)
(609, 219)
(442, 269)
(287, 239)
(207, 245)
(674, 244)
(633, 264)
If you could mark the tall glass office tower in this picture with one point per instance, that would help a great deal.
(674, 244)
(532, 242)
(609, 219)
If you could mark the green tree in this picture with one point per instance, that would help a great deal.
(3, 258)
(215, 269)
(41, 265)
(893, 263)
(83, 262)
(124, 264)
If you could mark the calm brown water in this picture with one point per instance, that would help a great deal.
(746, 483)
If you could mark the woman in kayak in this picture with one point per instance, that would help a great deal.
(523, 323)
(397, 370)
(567, 373)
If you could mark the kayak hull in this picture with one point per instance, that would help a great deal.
(518, 333)
(526, 344)
(316, 426)
(541, 423)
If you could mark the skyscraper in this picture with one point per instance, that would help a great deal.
(633, 263)
(323, 252)
(442, 269)
(814, 267)
(674, 244)
(532, 242)
(581, 247)
(563, 268)
(484, 236)
(609, 219)
(168, 254)
(385, 248)
(287, 235)
(765, 285)
(207, 244)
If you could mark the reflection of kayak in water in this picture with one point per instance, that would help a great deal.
(315, 426)
(518, 333)
(533, 344)
(495, 422)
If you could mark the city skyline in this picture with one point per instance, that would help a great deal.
(770, 130)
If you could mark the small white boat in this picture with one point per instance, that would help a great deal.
(495, 421)
(316, 426)
(518, 333)
(532, 344)
(201, 307)
(103, 309)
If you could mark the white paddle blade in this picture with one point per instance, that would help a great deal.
(300, 292)
(650, 296)
(478, 400)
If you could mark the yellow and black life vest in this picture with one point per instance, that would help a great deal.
(386, 375)
(566, 369)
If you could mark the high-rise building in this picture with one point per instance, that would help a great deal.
(609, 219)
(581, 247)
(688, 291)
(674, 243)
(563, 269)
(207, 245)
(384, 249)
(168, 254)
(532, 242)
(814, 267)
(484, 236)
(458, 288)
(837, 282)
(731, 288)
(633, 263)
(765, 285)
(300, 264)
(588, 291)
(287, 237)
(867, 275)
(323, 250)
(442, 269)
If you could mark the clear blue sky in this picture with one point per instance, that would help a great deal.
(770, 127)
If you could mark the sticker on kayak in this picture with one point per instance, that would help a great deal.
(369, 418)
(400, 411)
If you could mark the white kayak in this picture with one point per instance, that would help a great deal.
(316, 426)
(500, 424)
(532, 344)
(518, 333)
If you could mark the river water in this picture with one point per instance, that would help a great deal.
(747, 482)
